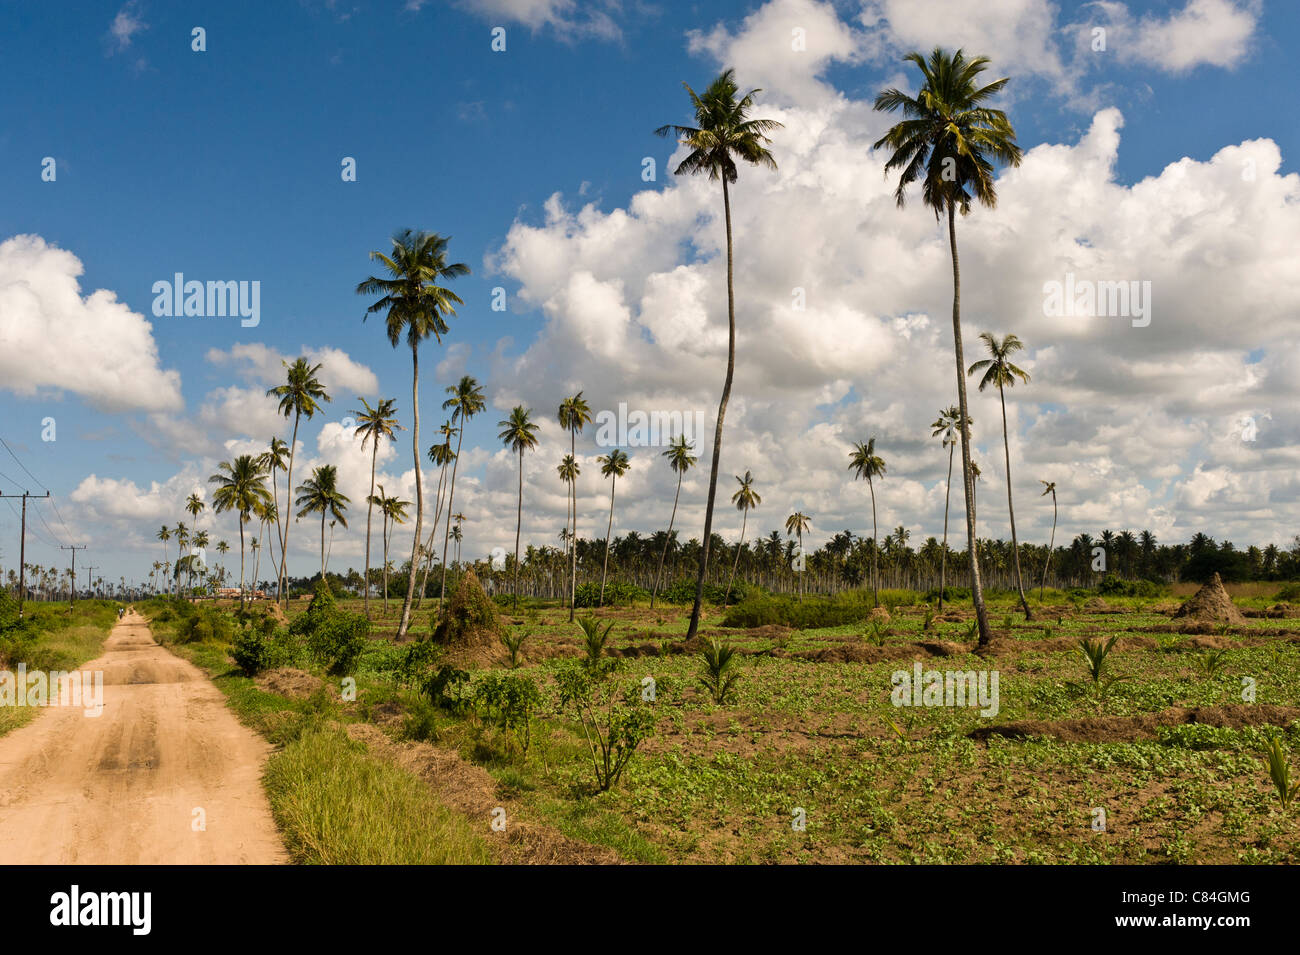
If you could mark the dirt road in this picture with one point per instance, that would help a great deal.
(124, 787)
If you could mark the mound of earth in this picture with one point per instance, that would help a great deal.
(471, 628)
(290, 682)
(1211, 602)
(1095, 603)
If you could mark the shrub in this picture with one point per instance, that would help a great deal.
(616, 592)
(251, 652)
(683, 592)
(448, 688)
(334, 638)
(507, 701)
(614, 721)
(338, 642)
(1289, 592)
(421, 722)
(1112, 586)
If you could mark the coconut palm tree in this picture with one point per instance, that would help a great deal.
(374, 425)
(164, 534)
(1049, 487)
(572, 415)
(999, 370)
(414, 303)
(240, 488)
(320, 494)
(867, 465)
(301, 394)
(182, 543)
(201, 540)
(275, 458)
(195, 506)
(949, 139)
(519, 434)
(440, 454)
(796, 524)
(568, 471)
(724, 133)
(465, 402)
(681, 460)
(613, 466)
(744, 499)
(393, 511)
(946, 424)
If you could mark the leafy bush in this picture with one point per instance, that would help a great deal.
(507, 701)
(614, 721)
(949, 593)
(616, 592)
(1289, 592)
(421, 722)
(1112, 586)
(448, 688)
(251, 651)
(334, 638)
(683, 592)
(339, 641)
(847, 607)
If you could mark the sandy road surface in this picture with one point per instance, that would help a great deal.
(121, 788)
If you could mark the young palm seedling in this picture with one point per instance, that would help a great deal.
(876, 633)
(1211, 662)
(1095, 653)
(594, 639)
(514, 641)
(720, 670)
(1280, 770)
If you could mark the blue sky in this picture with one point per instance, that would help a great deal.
(225, 164)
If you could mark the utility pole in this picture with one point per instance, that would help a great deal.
(90, 579)
(22, 548)
(72, 594)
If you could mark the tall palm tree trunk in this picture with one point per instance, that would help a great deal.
(943, 560)
(451, 500)
(1011, 509)
(744, 520)
(288, 495)
(519, 523)
(241, 561)
(428, 548)
(722, 413)
(419, 490)
(1048, 563)
(370, 507)
(608, 534)
(387, 538)
(573, 497)
(667, 541)
(875, 545)
(968, 481)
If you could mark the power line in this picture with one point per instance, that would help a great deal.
(23, 466)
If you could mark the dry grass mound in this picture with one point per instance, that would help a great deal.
(1211, 602)
(471, 627)
(288, 681)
